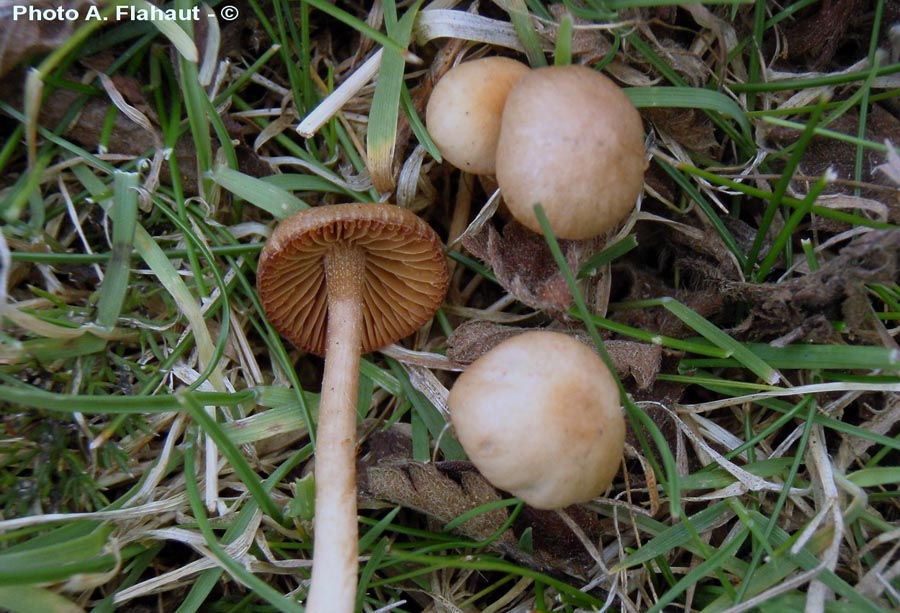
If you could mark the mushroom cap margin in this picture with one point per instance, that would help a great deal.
(406, 272)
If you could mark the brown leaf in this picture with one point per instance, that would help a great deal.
(426, 489)
(125, 138)
(691, 128)
(800, 306)
(662, 393)
(446, 490)
(22, 38)
(379, 447)
(555, 543)
(824, 153)
(474, 338)
(641, 361)
(816, 37)
(641, 284)
(525, 268)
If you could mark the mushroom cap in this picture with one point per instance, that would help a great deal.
(464, 110)
(539, 417)
(571, 140)
(406, 274)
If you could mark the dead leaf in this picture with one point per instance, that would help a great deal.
(525, 268)
(23, 38)
(445, 490)
(836, 291)
(817, 36)
(428, 490)
(640, 361)
(691, 128)
(891, 167)
(472, 339)
(824, 153)
(639, 284)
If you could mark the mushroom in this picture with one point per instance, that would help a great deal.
(539, 417)
(463, 112)
(571, 140)
(339, 281)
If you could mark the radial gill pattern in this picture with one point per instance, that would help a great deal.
(405, 280)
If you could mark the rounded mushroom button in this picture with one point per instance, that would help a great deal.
(571, 140)
(464, 110)
(539, 416)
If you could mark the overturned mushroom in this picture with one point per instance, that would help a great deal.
(340, 281)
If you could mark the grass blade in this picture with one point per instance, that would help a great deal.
(700, 571)
(637, 416)
(673, 537)
(607, 255)
(713, 334)
(429, 415)
(124, 218)
(83, 554)
(28, 598)
(531, 42)
(235, 569)
(774, 200)
(27, 396)
(266, 195)
(688, 98)
(363, 28)
(235, 457)
(381, 137)
(563, 54)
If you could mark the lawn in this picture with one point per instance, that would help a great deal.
(158, 433)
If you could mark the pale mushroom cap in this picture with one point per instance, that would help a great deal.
(572, 141)
(539, 417)
(464, 110)
(406, 272)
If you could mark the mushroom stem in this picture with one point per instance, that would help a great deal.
(336, 543)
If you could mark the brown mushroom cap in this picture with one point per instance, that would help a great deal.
(406, 272)
(572, 141)
(464, 110)
(539, 416)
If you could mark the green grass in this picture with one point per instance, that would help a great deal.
(155, 429)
